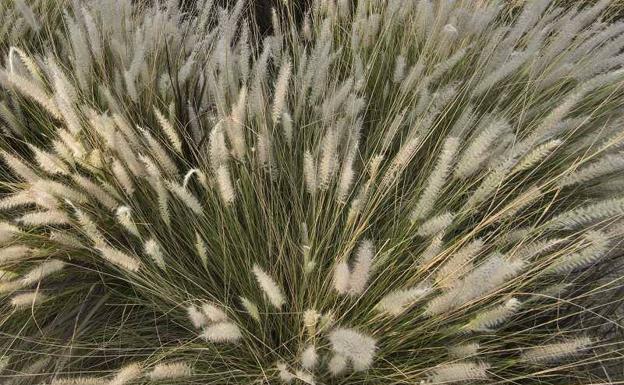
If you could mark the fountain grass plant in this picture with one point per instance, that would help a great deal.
(388, 192)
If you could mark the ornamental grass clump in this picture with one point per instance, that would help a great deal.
(383, 192)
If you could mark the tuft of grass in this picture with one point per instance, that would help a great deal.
(386, 192)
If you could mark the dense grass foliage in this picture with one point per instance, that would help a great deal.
(386, 192)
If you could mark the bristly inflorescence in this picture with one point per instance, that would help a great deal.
(387, 192)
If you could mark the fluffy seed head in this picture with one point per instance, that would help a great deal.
(359, 276)
(221, 332)
(251, 308)
(269, 287)
(357, 347)
(213, 313)
(119, 258)
(197, 317)
(152, 248)
(225, 185)
(29, 299)
(126, 375)
(458, 372)
(342, 277)
(168, 371)
(43, 270)
(556, 351)
(398, 301)
(309, 357)
(337, 364)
